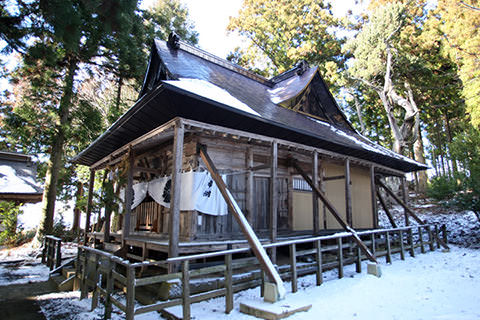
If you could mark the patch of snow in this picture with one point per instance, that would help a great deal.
(371, 146)
(23, 273)
(11, 182)
(210, 91)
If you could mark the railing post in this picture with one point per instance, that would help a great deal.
(374, 246)
(96, 280)
(59, 253)
(340, 257)
(109, 290)
(293, 266)
(420, 237)
(130, 305)
(410, 239)
(262, 288)
(431, 244)
(186, 290)
(44, 251)
(83, 280)
(437, 236)
(228, 283)
(402, 247)
(358, 264)
(319, 262)
(388, 257)
(444, 233)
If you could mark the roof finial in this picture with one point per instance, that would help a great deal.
(173, 40)
(301, 66)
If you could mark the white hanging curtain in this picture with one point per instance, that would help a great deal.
(199, 192)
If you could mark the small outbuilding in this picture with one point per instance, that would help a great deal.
(271, 141)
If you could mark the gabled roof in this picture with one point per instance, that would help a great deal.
(184, 81)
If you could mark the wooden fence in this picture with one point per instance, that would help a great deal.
(101, 272)
(52, 252)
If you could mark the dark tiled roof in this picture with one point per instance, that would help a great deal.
(321, 124)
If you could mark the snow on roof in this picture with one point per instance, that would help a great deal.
(367, 144)
(210, 91)
(18, 178)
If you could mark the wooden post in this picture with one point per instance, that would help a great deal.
(358, 264)
(273, 199)
(374, 246)
(250, 187)
(109, 289)
(96, 279)
(83, 279)
(318, 265)
(405, 199)
(348, 193)
(420, 237)
(437, 236)
(402, 247)
(293, 266)
(385, 208)
(58, 260)
(389, 247)
(373, 189)
(410, 240)
(431, 244)
(314, 198)
(128, 197)
(247, 230)
(108, 214)
(340, 257)
(89, 206)
(44, 251)
(186, 290)
(444, 233)
(228, 283)
(324, 190)
(333, 211)
(130, 304)
(174, 217)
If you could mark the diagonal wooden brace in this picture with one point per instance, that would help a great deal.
(255, 245)
(385, 208)
(407, 209)
(333, 211)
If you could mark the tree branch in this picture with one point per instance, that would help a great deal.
(469, 6)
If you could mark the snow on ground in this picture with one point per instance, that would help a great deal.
(463, 228)
(435, 285)
(27, 253)
(23, 272)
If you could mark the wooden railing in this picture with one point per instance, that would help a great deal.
(52, 252)
(108, 270)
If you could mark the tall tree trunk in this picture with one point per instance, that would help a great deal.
(56, 156)
(419, 156)
(77, 211)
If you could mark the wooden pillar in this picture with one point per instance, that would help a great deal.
(405, 200)
(89, 205)
(128, 197)
(314, 198)
(373, 192)
(174, 217)
(250, 187)
(273, 198)
(348, 193)
(323, 188)
(108, 213)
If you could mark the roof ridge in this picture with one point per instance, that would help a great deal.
(223, 63)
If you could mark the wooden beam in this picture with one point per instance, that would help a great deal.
(348, 193)
(385, 208)
(128, 197)
(147, 170)
(89, 206)
(108, 214)
(174, 217)
(400, 202)
(334, 178)
(405, 199)
(273, 198)
(250, 187)
(333, 211)
(373, 191)
(315, 199)
(255, 245)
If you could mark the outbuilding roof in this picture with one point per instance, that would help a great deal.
(184, 81)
